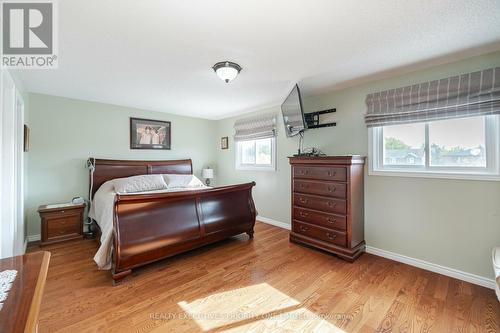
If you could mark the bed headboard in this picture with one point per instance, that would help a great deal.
(105, 170)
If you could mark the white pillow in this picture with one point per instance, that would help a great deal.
(182, 181)
(141, 183)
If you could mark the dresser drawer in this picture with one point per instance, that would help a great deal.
(337, 190)
(320, 172)
(320, 218)
(63, 226)
(330, 205)
(331, 236)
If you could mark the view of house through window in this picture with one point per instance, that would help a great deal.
(404, 144)
(258, 154)
(458, 142)
(455, 145)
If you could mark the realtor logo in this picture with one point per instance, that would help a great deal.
(29, 34)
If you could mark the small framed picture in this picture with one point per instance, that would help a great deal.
(150, 134)
(224, 143)
(26, 138)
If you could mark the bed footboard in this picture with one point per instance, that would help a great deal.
(155, 226)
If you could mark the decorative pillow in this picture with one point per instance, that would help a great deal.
(141, 183)
(182, 181)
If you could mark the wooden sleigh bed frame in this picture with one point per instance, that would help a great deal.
(150, 227)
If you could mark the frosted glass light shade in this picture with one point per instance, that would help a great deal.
(207, 173)
(226, 70)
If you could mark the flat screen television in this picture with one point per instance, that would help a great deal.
(293, 113)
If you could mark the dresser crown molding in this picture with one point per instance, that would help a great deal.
(327, 159)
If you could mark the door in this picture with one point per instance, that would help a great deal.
(11, 168)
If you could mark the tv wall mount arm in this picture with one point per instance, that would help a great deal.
(312, 119)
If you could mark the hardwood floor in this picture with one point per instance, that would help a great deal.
(264, 284)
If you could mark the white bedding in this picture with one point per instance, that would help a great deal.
(101, 211)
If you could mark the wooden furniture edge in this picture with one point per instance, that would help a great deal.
(346, 254)
(337, 159)
(43, 209)
(32, 320)
(140, 162)
(148, 164)
(182, 194)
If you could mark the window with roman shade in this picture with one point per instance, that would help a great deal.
(447, 128)
(459, 96)
(255, 141)
(256, 127)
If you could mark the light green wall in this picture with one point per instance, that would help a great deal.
(65, 132)
(454, 223)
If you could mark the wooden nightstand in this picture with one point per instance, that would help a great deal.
(61, 222)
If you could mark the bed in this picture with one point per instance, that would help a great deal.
(147, 227)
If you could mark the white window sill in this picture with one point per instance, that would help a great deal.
(430, 174)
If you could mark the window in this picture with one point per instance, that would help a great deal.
(454, 148)
(257, 154)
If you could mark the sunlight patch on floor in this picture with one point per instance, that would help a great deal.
(254, 308)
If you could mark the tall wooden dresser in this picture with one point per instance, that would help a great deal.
(328, 204)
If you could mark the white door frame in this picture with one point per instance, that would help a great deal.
(11, 168)
(8, 174)
(19, 246)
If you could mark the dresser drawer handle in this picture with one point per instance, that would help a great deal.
(332, 220)
(331, 174)
(302, 228)
(304, 185)
(62, 211)
(332, 189)
(302, 200)
(332, 204)
(331, 236)
(63, 222)
(304, 172)
(303, 214)
(61, 232)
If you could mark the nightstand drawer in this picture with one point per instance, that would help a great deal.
(69, 225)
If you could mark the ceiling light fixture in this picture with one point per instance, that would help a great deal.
(226, 70)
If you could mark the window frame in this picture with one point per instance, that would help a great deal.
(490, 172)
(255, 167)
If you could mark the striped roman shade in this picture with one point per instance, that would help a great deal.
(459, 96)
(257, 127)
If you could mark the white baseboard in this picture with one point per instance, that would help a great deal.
(454, 273)
(278, 224)
(33, 238)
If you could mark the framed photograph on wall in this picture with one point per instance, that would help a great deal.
(26, 138)
(224, 143)
(150, 134)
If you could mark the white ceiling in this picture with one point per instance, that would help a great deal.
(158, 54)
